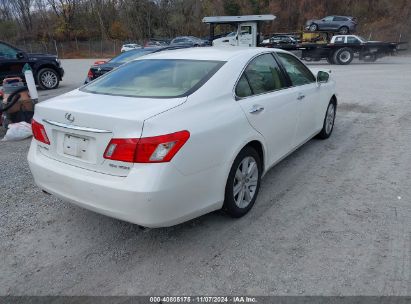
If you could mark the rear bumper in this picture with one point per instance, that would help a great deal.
(150, 196)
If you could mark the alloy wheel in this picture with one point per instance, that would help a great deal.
(313, 28)
(245, 182)
(330, 118)
(344, 31)
(49, 79)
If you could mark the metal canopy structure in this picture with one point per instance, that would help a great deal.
(236, 19)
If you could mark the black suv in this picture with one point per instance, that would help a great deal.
(46, 68)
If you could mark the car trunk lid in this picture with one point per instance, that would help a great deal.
(100, 70)
(80, 125)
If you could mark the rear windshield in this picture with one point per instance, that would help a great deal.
(130, 55)
(155, 78)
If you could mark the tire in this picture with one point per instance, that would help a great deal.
(344, 56)
(238, 182)
(344, 30)
(313, 27)
(48, 79)
(329, 120)
(330, 59)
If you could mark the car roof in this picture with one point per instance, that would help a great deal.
(143, 49)
(349, 17)
(210, 53)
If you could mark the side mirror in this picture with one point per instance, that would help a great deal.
(323, 77)
(20, 55)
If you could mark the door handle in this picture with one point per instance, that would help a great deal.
(301, 96)
(256, 109)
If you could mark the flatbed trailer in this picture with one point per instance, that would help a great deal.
(342, 49)
(344, 54)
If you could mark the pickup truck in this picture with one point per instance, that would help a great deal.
(47, 70)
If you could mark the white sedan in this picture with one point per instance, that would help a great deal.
(175, 135)
(129, 47)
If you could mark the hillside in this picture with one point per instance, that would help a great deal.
(68, 20)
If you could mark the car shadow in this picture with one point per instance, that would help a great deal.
(216, 220)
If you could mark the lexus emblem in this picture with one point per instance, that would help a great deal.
(70, 117)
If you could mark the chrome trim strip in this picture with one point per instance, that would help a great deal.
(72, 127)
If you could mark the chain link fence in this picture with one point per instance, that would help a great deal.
(73, 49)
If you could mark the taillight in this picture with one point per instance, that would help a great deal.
(121, 149)
(160, 149)
(90, 74)
(157, 149)
(39, 132)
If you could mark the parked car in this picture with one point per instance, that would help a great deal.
(283, 39)
(156, 43)
(189, 40)
(178, 134)
(129, 47)
(47, 70)
(342, 24)
(233, 39)
(101, 68)
(210, 39)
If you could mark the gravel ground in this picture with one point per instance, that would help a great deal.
(334, 218)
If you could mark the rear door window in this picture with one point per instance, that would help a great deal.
(353, 40)
(243, 88)
(180, 40)
(262, 75)
(299, 74)
(340, 19)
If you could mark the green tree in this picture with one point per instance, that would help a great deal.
(232, 7)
